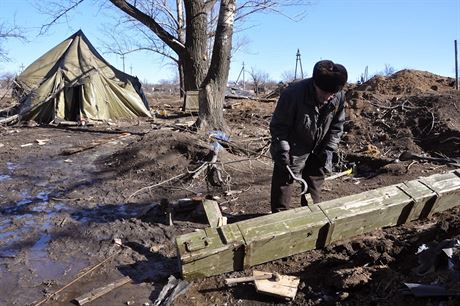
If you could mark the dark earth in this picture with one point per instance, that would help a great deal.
(63, 216)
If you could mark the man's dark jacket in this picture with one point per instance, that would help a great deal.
(306, 127)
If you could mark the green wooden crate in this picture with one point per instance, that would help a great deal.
(424, 199)
(361, 213)
(447, 188)
(206, 252)
(283, 234)
(247, 243)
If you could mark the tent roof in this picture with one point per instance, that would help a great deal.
(73, 78)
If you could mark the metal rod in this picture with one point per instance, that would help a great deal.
(456, 65)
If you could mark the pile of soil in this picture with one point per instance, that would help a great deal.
(407, 82)
(61, 214)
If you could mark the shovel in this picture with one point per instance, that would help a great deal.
(407, 155)
(272, 276)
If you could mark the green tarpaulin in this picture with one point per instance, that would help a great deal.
(74, 82)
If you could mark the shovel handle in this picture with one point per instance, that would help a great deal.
(229, 281)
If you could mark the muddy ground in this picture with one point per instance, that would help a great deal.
(61, 213)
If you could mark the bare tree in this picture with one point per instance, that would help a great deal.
(388, 70)
(8, 32)
(259, 79)
(198, 38)
(288, 76)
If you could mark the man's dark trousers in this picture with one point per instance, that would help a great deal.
(282, 182)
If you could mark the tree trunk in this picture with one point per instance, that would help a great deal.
(212, 90)
(181, 36)
(211, 115)
(195, 60)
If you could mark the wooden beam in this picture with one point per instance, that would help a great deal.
(213, 213)
(98, 292)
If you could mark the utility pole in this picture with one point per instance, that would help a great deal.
(123, 60)
(238, 78)
(298, 62)
(244, 79)
(456, 65)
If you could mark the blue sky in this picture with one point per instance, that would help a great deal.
(405, 34)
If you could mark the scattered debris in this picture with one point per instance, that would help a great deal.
(42, 142)
(171, 291)
(285, 287)
(274, 284)
(439, 256)
(10, 120)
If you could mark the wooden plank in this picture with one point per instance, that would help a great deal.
(283, 234)
(98, 292)
(285, 287)
(191, 101)
(361, 213)
(447, 188)
(213, 213)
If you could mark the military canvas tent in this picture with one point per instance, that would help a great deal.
(74, 82)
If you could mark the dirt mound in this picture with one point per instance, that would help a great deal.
(408, 82)
(158, 156)
(411, 110)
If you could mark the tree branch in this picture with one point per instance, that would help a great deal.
(148, 21)
(44, 28)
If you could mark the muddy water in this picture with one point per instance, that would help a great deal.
(30, 219)
(42, 201)
(26, 229)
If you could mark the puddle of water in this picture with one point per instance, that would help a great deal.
(27, 217)
(5, 177)
(38, 256)
(11, 166)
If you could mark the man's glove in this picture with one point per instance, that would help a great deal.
(283, 158)
(280, 152)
